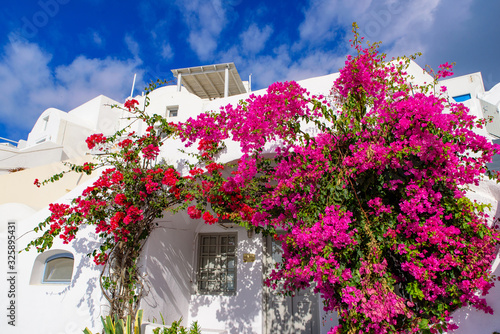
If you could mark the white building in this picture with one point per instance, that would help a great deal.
(73, 301)
(59, 135)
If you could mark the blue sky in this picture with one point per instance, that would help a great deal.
(62, 53)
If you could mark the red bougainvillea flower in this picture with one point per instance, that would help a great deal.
(130, 104)
(209, 219)
(100, 259)
(196, 171)
(170, 177)
(151, 151)
(93, 140)
(120, 199)
(206, 145)
(117, 177)
(125, 143)
(193, 212)
(87, 167)
(214, 167)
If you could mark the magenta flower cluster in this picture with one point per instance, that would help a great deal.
(373, 207)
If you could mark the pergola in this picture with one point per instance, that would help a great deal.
(210, 81)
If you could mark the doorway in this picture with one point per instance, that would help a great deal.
(284, 314)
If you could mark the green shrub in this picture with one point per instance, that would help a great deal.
(119, 326)
(176, 328)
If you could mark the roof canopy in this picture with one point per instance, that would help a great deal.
(210, 81)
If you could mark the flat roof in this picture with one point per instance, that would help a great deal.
(207, 81)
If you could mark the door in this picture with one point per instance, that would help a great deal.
(287, 315)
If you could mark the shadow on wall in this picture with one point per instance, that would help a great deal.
(80, 303)
(495, 163)
(471, 320)
(167, 269)
(83, 246)
(241, 312)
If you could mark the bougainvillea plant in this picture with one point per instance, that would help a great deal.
(373, 206)
(134, 188)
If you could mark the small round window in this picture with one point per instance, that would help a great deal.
(58, 269)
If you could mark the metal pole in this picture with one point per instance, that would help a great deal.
(179, 81)
(226, 82)
(12, 141)
(133, 86)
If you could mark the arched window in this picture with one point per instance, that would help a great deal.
(58, 268)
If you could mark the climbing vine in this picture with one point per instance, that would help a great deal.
(134, 188)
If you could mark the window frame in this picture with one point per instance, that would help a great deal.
(55, 257)
(171, 109)
(218, 270)
(462, 98)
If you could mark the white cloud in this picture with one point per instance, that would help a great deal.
(271, 68)
(283, 64)
(205, 20)
(405, 27)
(167, 52)
(98, 40)
(254, 38)
(203, 44)
(282, 67)
(132, 45)
(402, 23)
(29, 85)
(324, 17)
(315, 64)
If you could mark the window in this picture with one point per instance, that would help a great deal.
(462, 98)
(217, 263)
(172, 111)
(58, 269)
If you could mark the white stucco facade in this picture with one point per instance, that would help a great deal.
(171, 254)
(58, 135)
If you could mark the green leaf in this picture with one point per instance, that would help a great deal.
(423, 324)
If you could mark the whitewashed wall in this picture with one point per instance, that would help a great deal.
(50, 308)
